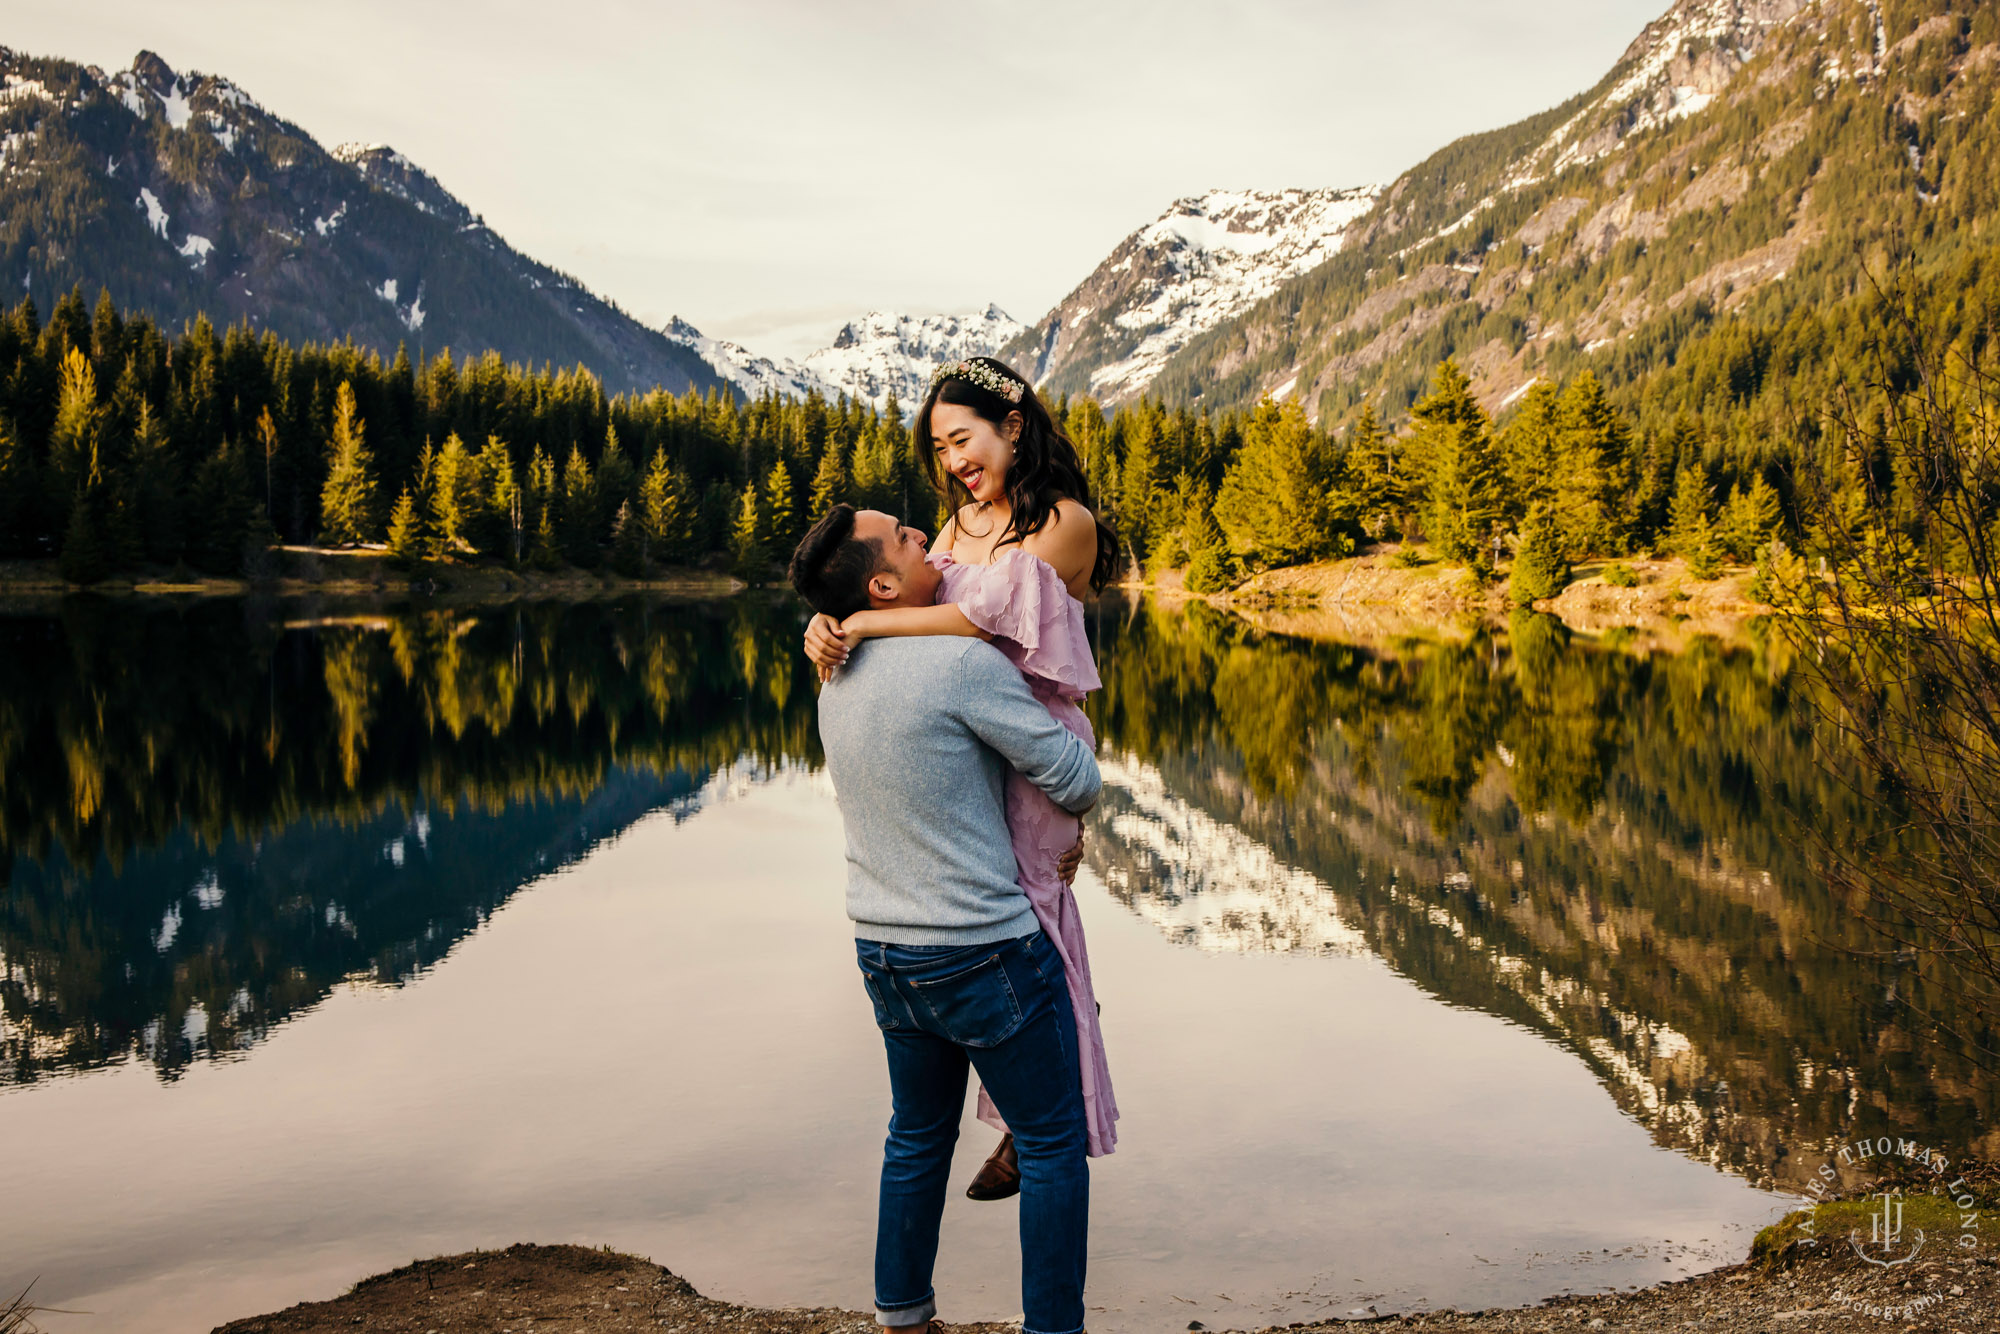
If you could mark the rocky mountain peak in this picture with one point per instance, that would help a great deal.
(383, 166)
(155, 74)
(1204, 260)
(880, 355)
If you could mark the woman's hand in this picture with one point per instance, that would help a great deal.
(826, 644)
(1067, 863)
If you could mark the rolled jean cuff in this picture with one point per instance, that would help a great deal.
(904, 1317)
(1078, 1330)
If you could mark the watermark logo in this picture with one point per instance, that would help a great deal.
(1893, 1235)
(1885, 1231)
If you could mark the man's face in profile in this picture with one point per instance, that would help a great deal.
(906, 579)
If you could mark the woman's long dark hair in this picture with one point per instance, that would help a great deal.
(1046, 468)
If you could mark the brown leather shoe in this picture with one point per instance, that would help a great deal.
(999, 1176)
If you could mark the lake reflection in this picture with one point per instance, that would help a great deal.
(403, 932)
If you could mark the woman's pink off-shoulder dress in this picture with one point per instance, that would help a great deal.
(1023, 603)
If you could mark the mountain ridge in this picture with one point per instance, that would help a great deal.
(1206, 258)
(183, 195)
(1737, 158)
(879, 356)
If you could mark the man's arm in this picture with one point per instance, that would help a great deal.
(995, 703)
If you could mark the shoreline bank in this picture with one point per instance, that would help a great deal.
(312, 572)
(1433, 588)
(588, 1291)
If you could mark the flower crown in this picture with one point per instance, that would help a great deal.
(981, 374)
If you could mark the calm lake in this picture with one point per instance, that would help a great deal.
(1451, 968)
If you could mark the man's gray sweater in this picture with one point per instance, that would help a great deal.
(919, 733)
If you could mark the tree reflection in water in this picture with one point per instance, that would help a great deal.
(211, 815)
(1597, 844)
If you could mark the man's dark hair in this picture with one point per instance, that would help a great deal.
(832, 567)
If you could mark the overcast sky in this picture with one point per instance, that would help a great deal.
(768, 170)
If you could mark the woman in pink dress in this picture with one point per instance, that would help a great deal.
(1021, 549)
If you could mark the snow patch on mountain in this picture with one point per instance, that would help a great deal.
(17, 89)
(156, 214)
(175, 105)
(1210, 257)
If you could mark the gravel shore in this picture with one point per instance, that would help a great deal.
(570, 1288)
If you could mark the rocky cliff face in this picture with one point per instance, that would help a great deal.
(182, 195)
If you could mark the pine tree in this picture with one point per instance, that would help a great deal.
(665, 511)
(829, 486)
(545, 554)
(777, 512)
(406, 532)
(78, 431)
(1541, 563)
(1591, 473)
(1278, 497)
(347, 501)
(628, 543)
(1529, 446)
(87, 553)
(423, 496)
(1690, 532)
(1459, 467)
(616, 480)
(1212, 566)
(494, 521)
(875, 484)
(454, 497)
(1371, 471)
(156, 489)
(576, 526)
(1142, 497)
(539, 494)
(1653, 501)
(1749, 519)
(746, 549)
(221, 505)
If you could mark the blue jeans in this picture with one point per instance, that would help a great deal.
(1004, 1009)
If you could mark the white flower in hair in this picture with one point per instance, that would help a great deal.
(981, 374)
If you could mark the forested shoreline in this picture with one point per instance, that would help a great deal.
(125, 447)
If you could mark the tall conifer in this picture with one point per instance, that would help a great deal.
(1459, 467)
(347, 501)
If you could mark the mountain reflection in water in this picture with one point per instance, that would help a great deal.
(212, 815)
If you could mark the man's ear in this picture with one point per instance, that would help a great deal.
(884, 585)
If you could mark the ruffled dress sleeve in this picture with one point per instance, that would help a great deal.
(1023, 603)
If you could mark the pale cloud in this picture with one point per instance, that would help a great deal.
(768, 170)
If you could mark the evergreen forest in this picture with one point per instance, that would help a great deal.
(125, 447)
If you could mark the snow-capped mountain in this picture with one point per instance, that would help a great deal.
(884, 353)
(872, 358)
(1676, 67)
(756, 376)
(1708, 144)
(184, 197)
(1207, 258)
